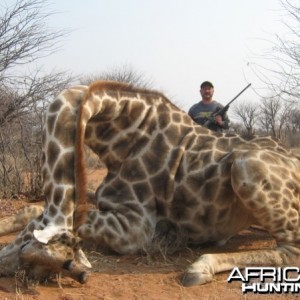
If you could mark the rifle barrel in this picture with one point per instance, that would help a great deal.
(241, 92)
(225, 108)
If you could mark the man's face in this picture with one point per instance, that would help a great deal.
(207, 92)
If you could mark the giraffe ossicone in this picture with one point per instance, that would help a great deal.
(167, 177)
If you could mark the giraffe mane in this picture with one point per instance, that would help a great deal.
(101, 85)
(80, 171)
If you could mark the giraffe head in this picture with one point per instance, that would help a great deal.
(53, 252)
(44, 253)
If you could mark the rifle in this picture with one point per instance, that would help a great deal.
(223, 110)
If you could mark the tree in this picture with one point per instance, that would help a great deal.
(274, 116)
(122, 73)
(278, 68)
(24, 35)
(24, 38)
(293, 128)
(247, 113)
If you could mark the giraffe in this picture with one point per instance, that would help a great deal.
(167, 176)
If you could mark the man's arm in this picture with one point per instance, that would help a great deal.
(222, 120)
(225, 122)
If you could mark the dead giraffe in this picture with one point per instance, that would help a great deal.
(162, 169)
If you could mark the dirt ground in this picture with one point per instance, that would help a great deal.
(154, 276)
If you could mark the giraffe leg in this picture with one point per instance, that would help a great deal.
(20, 220)
(122, 224)
(120, 232)
(123, 232)
(274, 204)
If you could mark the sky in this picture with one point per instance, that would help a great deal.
(175, 43)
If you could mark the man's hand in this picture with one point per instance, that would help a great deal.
(219, 120)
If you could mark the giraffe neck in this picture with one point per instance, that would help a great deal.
(59, 159)
(115, 119)
(58, 175)
(124, 123)
(116, 123)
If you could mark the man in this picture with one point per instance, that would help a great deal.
(201, 111)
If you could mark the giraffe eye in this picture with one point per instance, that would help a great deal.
(25, 244)
(68, 264)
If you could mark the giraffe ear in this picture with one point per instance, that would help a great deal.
(45, 235)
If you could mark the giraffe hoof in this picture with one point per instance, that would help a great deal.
(195, 278)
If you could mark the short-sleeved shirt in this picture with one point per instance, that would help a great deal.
(200, 113)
